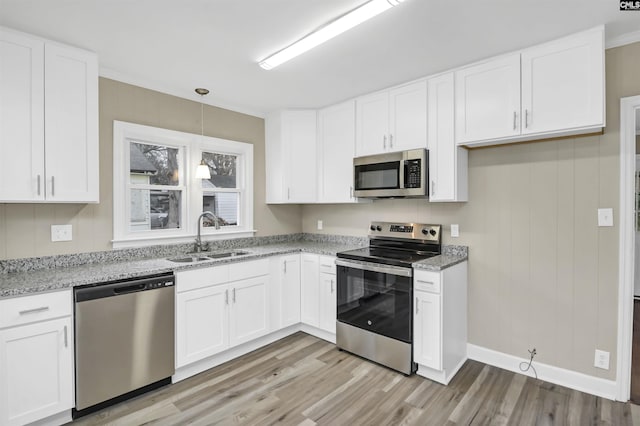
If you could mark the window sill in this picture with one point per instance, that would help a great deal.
(163, 239)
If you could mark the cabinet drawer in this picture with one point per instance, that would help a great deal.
(199, 278)
(327, 264)
(253, 268)
(27, 309)
(427, 281)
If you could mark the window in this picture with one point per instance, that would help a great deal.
(157, 197)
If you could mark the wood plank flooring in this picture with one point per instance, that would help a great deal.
(302, 380)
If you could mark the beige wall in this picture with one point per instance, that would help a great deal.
(541, 272)
(25, 228)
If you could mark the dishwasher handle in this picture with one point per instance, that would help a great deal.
(123, 287)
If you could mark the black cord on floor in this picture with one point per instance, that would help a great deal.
(526, 366)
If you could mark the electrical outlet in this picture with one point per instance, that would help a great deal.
(61, 233)
(605, 217)
(455, 230)
(601, 359)
(319, 225)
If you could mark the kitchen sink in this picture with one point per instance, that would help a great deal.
(227, 254)
(189, 259)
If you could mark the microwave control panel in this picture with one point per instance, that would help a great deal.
(412, 172)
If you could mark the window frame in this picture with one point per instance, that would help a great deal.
(191, 146)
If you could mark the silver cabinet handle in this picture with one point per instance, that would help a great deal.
(38, 184)
(433, 187)
(417, 306)
(351, 192)
(526, 118)
(53, 186)
(288, 193)
(66, 342)
(384, 142)
(390, 141)
(233, 292)
(514, 120)
(284, 269)
(34, 311)
(331, 286)
(226, 297)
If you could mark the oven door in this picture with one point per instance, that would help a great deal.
(376, 297)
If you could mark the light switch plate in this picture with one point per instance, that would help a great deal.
(605, 217)
(455, 230)
(319, 225)
(61, 233)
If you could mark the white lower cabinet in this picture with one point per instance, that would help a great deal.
(214, 313)
(285, 276)
(318, 293)
(440, 322)
(36, 357)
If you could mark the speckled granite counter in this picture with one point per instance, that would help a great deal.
(55, 278)
(451, 255)
(60, 272)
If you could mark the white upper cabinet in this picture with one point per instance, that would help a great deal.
(49, 116)
(554, 89)
(336, 149)
(392, 120)
(447, 161)
(563, 84)
(488, 100)
(291, 167)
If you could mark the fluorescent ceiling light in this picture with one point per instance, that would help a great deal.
(329, 31)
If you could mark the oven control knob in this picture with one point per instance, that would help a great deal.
(433, 232)
(378, 228)
(373, 228)
(425, 231)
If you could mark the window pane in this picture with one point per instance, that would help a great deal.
(153, 164)
(223, 169)
(224, 205)
(154, 209)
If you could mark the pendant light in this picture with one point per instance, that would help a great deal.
(202, 172)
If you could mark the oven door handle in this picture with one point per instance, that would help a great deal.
(374, 267)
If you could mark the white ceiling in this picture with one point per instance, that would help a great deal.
(177, 45)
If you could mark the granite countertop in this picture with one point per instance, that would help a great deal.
(451, 255)
(56, 278)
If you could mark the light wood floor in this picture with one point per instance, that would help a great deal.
(301, 380)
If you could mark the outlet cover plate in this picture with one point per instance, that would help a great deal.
(320, 225)
(61, 233)
(605, 217)
(601, 359)
(455, 230)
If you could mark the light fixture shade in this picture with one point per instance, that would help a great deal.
(329, 31)
(202, 172)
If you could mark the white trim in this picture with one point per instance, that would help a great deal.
(623, 39)
(157, 86)
(560, 376)
(628, 107)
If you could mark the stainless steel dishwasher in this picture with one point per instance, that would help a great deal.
(124, 340)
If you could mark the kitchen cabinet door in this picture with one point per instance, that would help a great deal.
(447, 161)
(202, 324)
(291, 167)
(372, 124)
(309, 289)
(488, 100)
(36, 371)
(408, 117)
(249, 312)
(336, 149)
(22, 117)
(427, 323)
(290, 290)
(563, 84)
(71, 124)
(328, 302)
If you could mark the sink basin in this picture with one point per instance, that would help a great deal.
(189, 259)
(227, 254)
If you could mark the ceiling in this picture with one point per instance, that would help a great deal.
(177, 45)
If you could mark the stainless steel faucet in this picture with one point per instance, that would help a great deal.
(199, 246)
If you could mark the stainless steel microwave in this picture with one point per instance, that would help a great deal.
(393, 174)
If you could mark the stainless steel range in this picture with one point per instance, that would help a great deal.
(375, 288)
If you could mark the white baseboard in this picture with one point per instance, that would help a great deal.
(55, 420)
(559, 376)
(319, 333)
